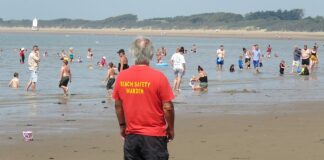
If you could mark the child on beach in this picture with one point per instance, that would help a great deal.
(232, 68)
(304, 71)
(14, 83)
(240, 63)
(282, 67)
(65, 76)
(110, 77)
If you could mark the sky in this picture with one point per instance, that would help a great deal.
(101, 9)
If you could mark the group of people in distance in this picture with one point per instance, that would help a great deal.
(304, 61)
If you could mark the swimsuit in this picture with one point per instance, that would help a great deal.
(110, 83)
(125, 66)
(203, 82)
(64, 81)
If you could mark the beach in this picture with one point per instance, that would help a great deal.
(284, 131)
(242, 116)
(209, 33)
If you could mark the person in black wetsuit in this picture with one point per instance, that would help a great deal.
(123, 61)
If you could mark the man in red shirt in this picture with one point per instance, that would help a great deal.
(144, 108)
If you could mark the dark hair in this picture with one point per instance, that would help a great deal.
(200, 68)
(110, 64)
(15, 74)
(244, 49)
(181, 49)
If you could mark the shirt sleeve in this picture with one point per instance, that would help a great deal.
(116, 91)
(165, 91)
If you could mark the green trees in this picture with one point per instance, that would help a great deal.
(280, 20)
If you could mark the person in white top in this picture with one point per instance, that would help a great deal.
(33, 63)
(178, 62)
(220, 57)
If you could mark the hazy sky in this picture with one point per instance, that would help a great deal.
(101, 9)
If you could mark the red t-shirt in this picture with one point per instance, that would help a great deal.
(142, 91)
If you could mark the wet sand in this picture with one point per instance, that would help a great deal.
(283, 131)
(260, 34)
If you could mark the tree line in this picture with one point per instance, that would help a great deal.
(280, 20)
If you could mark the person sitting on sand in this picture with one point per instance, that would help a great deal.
(14, 83)
(65, 76)
(202, 78)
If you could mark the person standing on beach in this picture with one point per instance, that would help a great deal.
(144, 108)
(305, 57)
(90, 54)
(179, 67)
(110, 78)
(269, 50)
(33, 63)
(220, 57)
(256, 57)
(282, 67)
(123, 61)
(296, 60)
(247, 55)
(22, 55)
(71, 50)
(65, 76)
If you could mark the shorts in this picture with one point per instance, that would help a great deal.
(33, 76)
(219, 61)
(178, 72)
(64, 81)
(296, 63)
(256, 63)
(247, 61)
(203, 85)
(145, 147)
(281, 70)
(305, 61)
(110, 83)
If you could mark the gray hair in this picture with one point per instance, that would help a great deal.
(142, 50)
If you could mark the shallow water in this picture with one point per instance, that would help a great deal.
(241, 88)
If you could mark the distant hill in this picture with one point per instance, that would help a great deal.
(280, 20)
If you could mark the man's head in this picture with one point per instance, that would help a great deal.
(35, 48)
(16, 75)
(142, 50)
(221, 47)
(305, 47)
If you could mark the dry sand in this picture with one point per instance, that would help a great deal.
(284, 132)
(183, 33)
